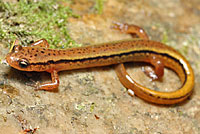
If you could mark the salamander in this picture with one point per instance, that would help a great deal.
(39, 57)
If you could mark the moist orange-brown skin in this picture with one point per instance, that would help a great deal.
(39, 58)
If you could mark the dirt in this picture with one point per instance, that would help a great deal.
(93, 101)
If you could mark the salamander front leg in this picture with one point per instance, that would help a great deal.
(50, 86)
(40, 43)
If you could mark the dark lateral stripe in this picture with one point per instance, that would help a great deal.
(104, 57)
(110, 56)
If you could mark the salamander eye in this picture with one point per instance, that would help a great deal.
(16, 48)
(23, 63)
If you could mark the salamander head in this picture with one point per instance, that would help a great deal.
(15, 60)
(18, 59)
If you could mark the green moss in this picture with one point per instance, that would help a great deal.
(29, 21)
(92, 106)
(184, 48)
(99, 6)
(165, 37)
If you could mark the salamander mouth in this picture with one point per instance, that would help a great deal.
(5, 62)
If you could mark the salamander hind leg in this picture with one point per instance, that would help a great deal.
(138, 32)
(158, 71)
(50, 86)
(133, 30)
